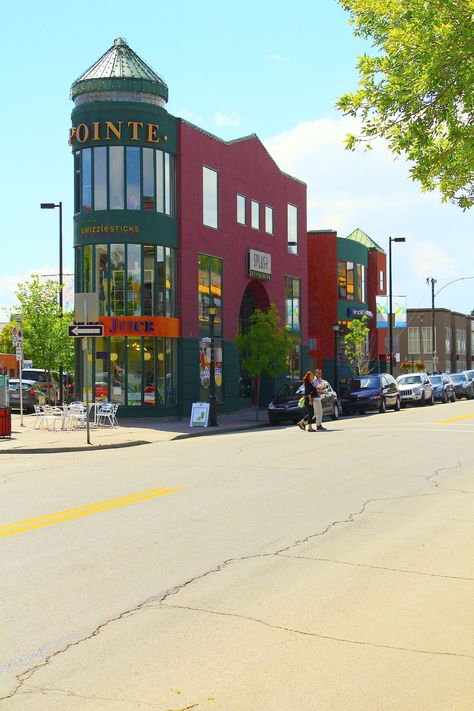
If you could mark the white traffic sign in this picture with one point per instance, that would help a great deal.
(86, 330)
(19, 354)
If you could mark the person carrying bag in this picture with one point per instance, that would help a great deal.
(309, 394)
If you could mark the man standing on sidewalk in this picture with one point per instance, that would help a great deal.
(320, 386)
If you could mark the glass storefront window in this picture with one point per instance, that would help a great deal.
(77, 181)
(116, 178)
(160, 281)
(134, 371)
(148, 180)
(149, 394)
(102, 284)
(101, 384)
(87, 180)
(205, 368)
(117, 286)
(100, 178)
(117, 370)
(133, 280)
(293, 303)
(161, 375)
(148, 279)
(133, 178)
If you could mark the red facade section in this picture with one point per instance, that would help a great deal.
(244, 167)
(322, 289)
(377, 265)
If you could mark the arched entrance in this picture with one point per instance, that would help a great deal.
(254, 297)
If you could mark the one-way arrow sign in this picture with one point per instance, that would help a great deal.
(85, 330)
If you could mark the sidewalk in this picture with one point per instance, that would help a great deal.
(28, 440)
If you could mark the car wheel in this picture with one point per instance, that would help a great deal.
(335, 414)
(383, 406)
(431, 401)
(453, 397)
(398, 405)
(272, 421)
(423, 400)
(445, 396)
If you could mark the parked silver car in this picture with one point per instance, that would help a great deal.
(32, 394)
(415, 388)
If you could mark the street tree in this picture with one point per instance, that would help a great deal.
(356, 346)
(6, 343)
(45, 332)
(416, 92)
(265, 347)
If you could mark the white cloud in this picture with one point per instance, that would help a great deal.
(225, 119)
(9, 285)
(190, 116)
(371, 190)
(275, 58)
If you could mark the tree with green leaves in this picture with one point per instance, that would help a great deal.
(265, 347)
(45, 333)
(356, 346)
(6, 343)
(417, 91)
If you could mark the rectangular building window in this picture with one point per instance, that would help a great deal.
(148, 279)
(268, 220)
(116, 178)
(117, 280)
(241, 210)
(168, 184)
(341, 280)
(209, 197)
(148, 179)
(133, 178)
(292, 229)
(102, 278)
(382, 281)
(160, 182)
(134, 371)
(87, 268)
(100, 178)
(77, 181)
(255, 215)
(209, 288)
(361, 289)
(413, 340)
(447, 339)
(426, 336)
(350, 281)
(293, 303)
(86, 180)
(134, 301)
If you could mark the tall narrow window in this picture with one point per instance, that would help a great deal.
(117, 280)
(100, 178)
(116, 178)
(160, 193)
(87, 267)
(360, 282)
(341, 280)
(77, 181)
(350, 281)
(160, 281)
(133, 280)
(87, 180)
(134, 371)
(255, 212)
(148, 278)
(293, 303)
(102, 278)
(209, 197)
(382, 281)
(149, 396)
(167, 184)
(241, 209)
(148, 179)
(133, 178)
(292, 229)
(268, 220)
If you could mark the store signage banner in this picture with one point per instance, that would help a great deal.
(381, 308)
(199, 414)
(260, 264)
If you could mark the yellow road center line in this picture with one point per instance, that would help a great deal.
(19, 526)
(455, 419)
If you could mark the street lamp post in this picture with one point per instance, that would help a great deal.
(390, 315)
(51, 206)
(336, 328)
(212, 310)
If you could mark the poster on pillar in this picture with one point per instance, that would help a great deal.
(399, 308)
(205, 367)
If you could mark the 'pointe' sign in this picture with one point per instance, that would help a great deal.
(118, 130)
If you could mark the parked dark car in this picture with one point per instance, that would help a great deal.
(370, 392)
(48, 379)
(284, 407)
(443, 387)
(32, 394)
(463, 384)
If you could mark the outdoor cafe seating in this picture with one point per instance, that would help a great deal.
(75, 416)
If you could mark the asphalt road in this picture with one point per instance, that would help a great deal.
(272, 570)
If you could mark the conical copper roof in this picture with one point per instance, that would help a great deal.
(120, 69)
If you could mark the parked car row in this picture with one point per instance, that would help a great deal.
(377, 392)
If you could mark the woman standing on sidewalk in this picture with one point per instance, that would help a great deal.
(309, 394)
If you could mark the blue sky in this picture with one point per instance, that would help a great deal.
(269, 68)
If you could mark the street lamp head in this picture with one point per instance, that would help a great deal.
(397, 239)
(211, 307)
(48, 205)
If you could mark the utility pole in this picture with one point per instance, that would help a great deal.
(433, 337)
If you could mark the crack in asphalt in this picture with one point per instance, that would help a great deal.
(153, 601)
(318, 635)
(377, 567)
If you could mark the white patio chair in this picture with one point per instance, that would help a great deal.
(39, 417)
(52, 415)
(107, 415)
(77, 414)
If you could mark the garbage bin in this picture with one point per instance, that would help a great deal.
(5, 422)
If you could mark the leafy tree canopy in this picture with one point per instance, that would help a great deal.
(417, 92)
(45, 333)
(356, 346)
(6, 345)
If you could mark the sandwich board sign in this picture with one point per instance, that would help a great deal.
(199, 414)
